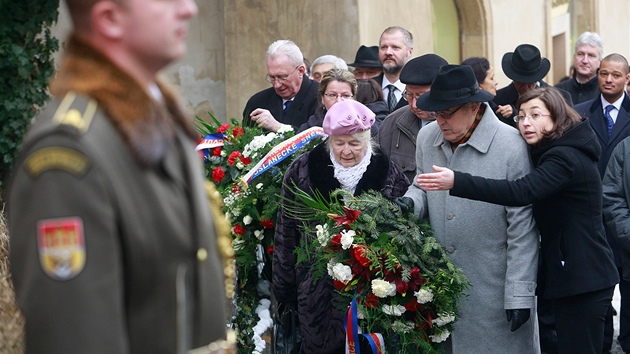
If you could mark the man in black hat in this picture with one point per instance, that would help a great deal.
(366, 64)
(496, 246)
(526, 67)
(397, 134)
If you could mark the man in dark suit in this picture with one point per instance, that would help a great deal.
(583, 85)
(395, 47)
(609, 115)
(292, 97)
(526, 67)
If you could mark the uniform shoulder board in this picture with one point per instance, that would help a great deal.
(75, 113)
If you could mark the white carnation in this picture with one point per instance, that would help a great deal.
(423, 295)
(443, 318)
(247, 220)
(382, 288)
(342, 272)
(259, 234)
(259, 186)
(394, 310)
(329, 267)
(347, 238)
(240, 165)
(441, 337)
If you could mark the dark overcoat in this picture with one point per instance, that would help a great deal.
(304, 104)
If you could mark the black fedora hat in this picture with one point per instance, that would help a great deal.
(453, 85)
(421, 70)
(525, 64)
(366, 57)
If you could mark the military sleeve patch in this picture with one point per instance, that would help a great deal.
(61, 247)
(57, 158)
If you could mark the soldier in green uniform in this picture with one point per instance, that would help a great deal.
(113, 243)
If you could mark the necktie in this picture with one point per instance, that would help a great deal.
(391, 98)
(286, 107)
(609, 119)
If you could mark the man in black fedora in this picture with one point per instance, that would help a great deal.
(526, 67)
(397, 134)
(496, 246)
(366, 64)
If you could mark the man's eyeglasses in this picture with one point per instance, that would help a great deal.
(533, 116)
(410, 96)
(334, 96)
(445, 114)
(280, 79)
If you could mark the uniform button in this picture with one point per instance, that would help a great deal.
(530, 288)
(202, 254)
(450, 249)
(449, 216)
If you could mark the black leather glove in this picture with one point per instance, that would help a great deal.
(405, 204)
(518, 317)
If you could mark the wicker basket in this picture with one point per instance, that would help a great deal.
(11, 321)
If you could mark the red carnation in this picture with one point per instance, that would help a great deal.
(267, 224)
(233, 156)
(236, 189)
(217, 174)
(239, 229)
(238, 131)
(216, 151)
(270, 249)
(223, 128)
(246, 160)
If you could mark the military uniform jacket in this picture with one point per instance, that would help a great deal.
(112, 244)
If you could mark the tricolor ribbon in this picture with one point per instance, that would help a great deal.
(376, 341)
(210, 141)
(282, 151)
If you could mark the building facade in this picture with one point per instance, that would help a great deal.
(227, 42)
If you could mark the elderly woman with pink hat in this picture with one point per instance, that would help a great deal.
(348, 159)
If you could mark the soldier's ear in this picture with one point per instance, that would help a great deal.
(108, 19)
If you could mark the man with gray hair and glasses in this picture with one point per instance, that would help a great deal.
(292, 97)
(324, 63)
(583, 86)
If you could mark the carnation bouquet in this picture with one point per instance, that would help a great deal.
(399, 281)
(247, 166)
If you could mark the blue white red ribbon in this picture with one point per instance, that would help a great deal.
(376, 341)
(282, 151)
(210, 141)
